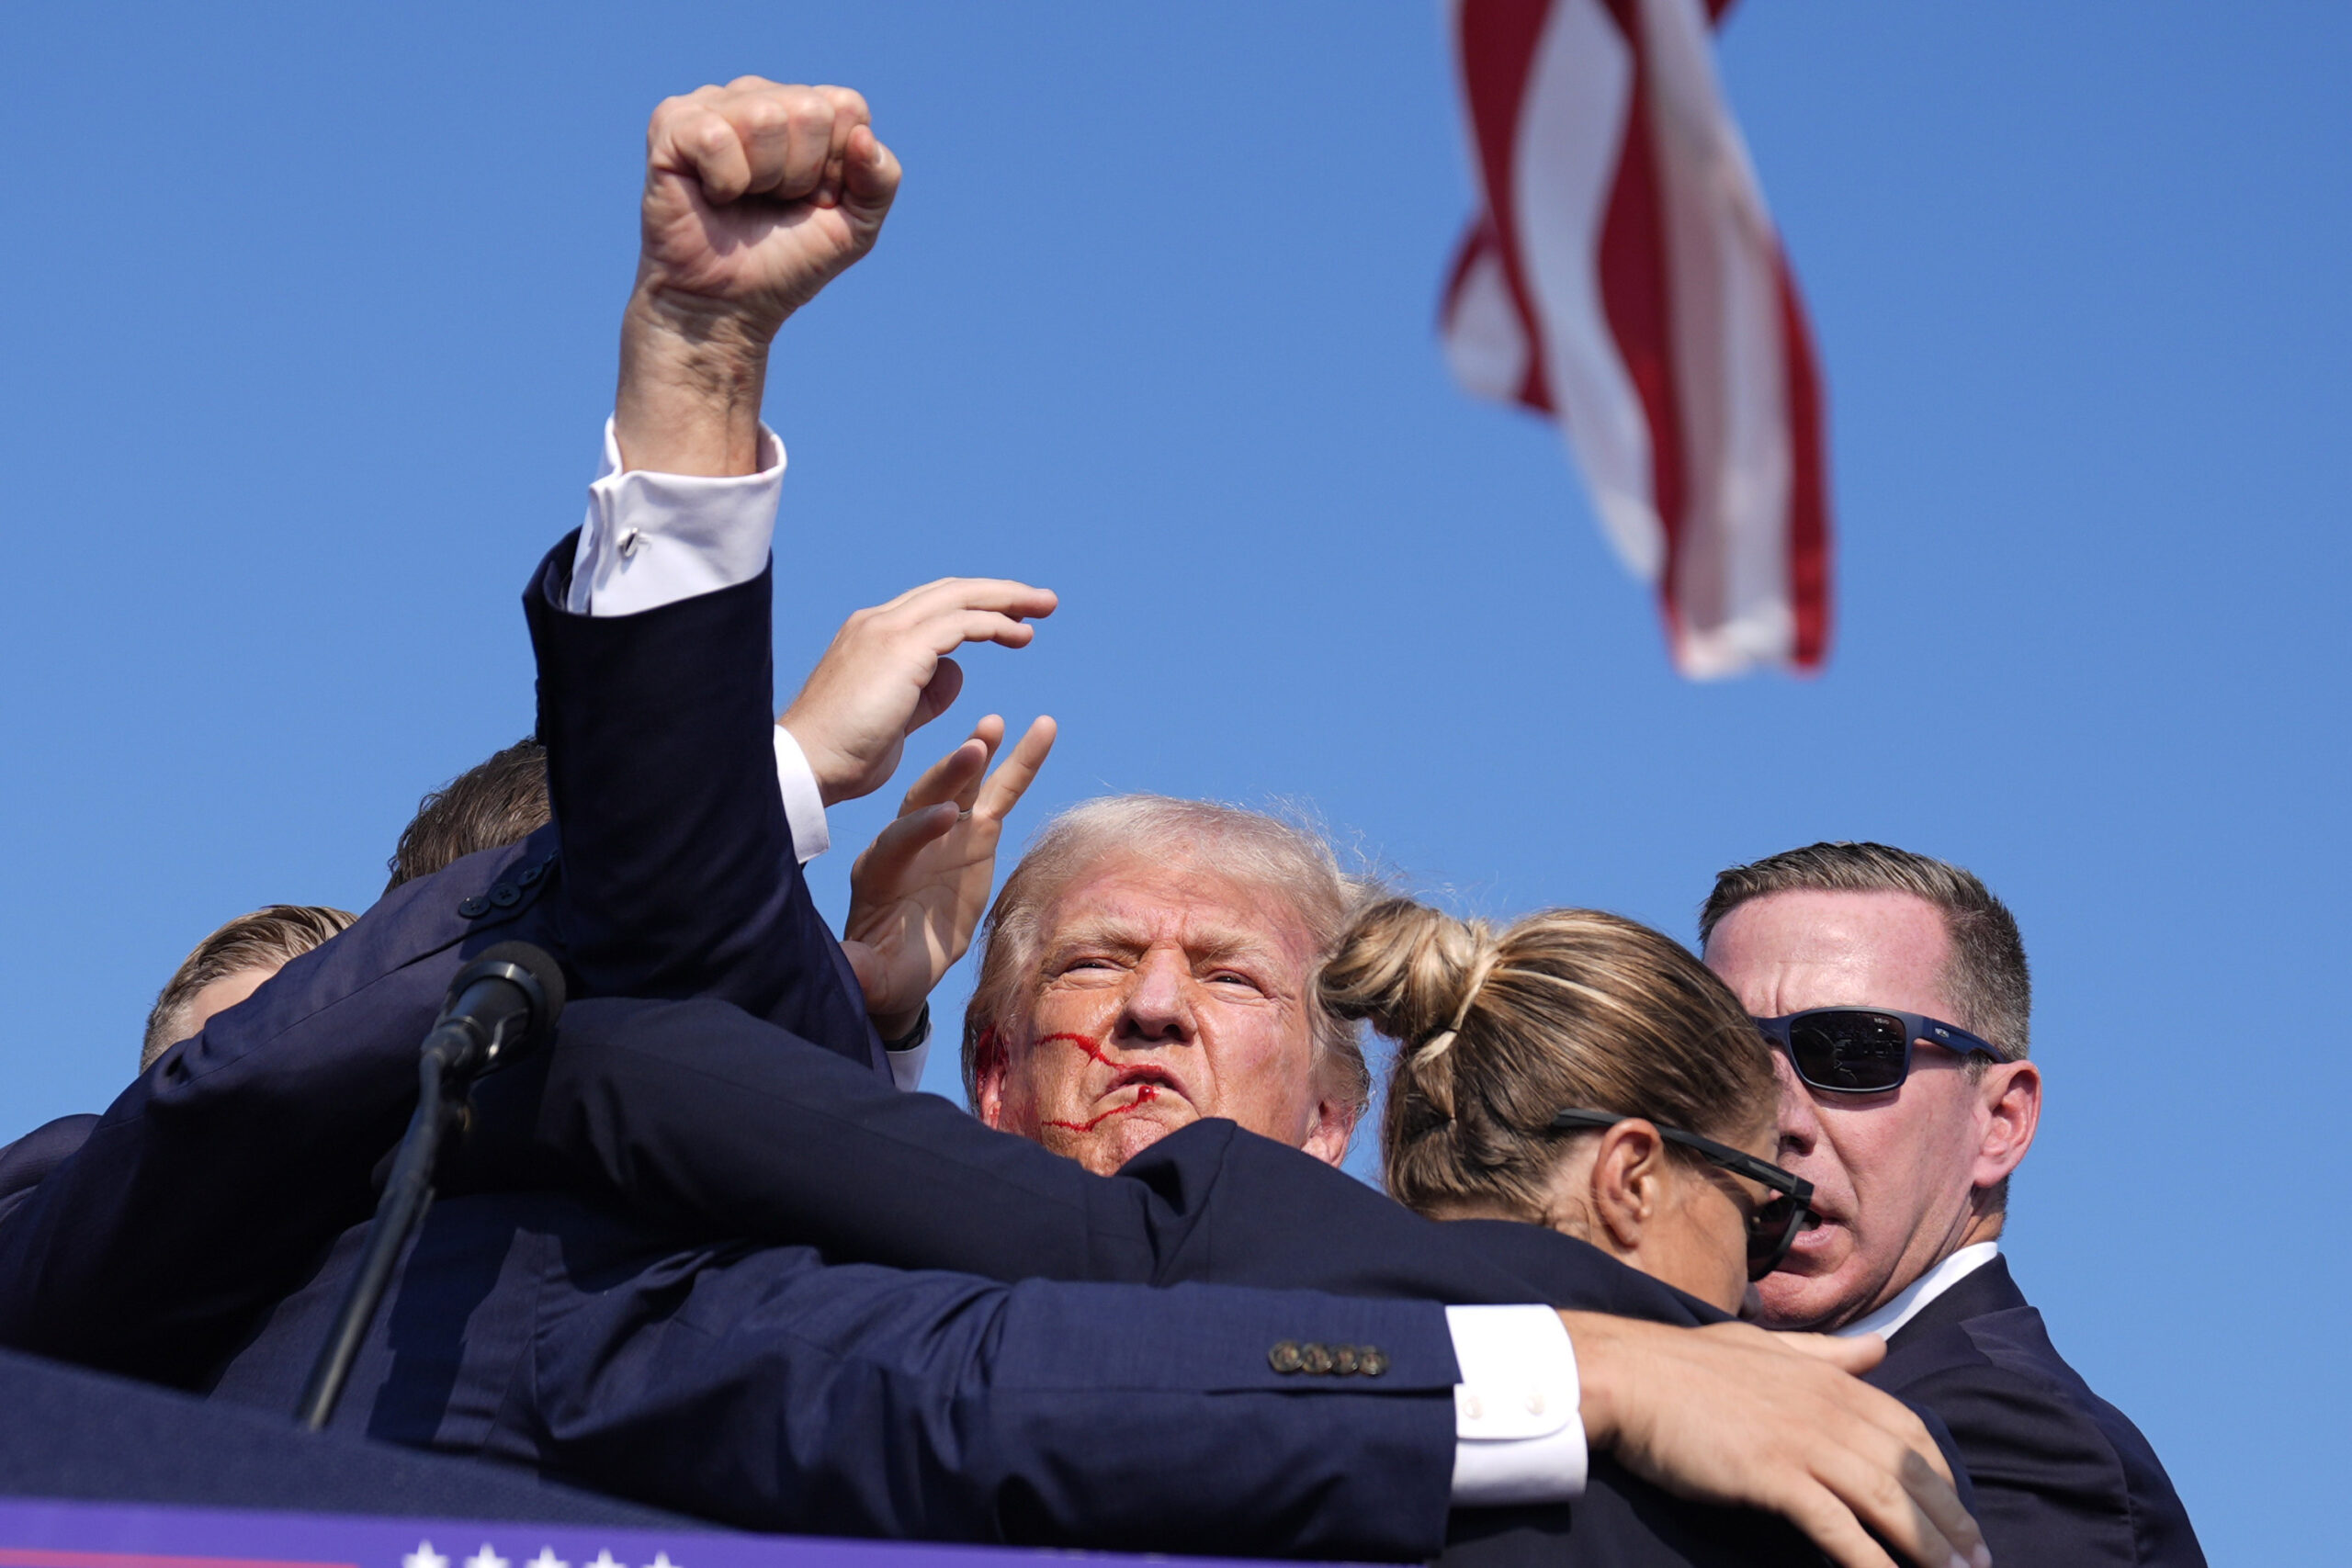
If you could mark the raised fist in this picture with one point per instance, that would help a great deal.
(756, 195)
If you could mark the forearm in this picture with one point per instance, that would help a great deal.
(692, 377)
(694, 1113)
(1075, 1416)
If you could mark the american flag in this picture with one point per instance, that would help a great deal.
(1625, 278)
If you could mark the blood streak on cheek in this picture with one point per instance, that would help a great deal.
(1144, 1095)
(1088, 1045)
(1085, 1043)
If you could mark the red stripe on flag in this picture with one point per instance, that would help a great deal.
(1498, 52)
(1808, 486)
(1633, 294)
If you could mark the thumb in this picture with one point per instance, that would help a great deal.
(938, 694)
(869, 179)
(1857, 1354)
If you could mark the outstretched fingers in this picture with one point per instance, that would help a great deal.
(1013, 776)
(1001, 594)
(954, 776)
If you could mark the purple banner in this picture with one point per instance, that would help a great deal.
(42, 1534)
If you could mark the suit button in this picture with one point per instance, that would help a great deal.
(1313, 1360)
(1343, 1360)
(1371, 1362)
(1285, 1357)
(531, 875)
(505, 896)
(474, 908)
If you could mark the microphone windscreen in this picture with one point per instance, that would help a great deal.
(540, 964)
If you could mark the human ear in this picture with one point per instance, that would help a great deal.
(1328, 1135)
(1627, 1183)
(2012, 1103)
(988, 1081)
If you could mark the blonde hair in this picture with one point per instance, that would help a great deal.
(1498, 1030)
(1294, 864)
(269, 938)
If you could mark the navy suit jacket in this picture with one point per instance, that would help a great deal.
(208, 1188)
(700, 1118)
(765, 1387)
(2062, 1476)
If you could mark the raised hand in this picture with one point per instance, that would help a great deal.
(756, 195)
(918, 892)
(887, 673)
(1730, 1414)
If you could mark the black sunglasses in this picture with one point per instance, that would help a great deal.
(1774, 1226)
(1864, 1050)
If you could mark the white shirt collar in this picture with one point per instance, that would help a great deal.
(1913, 1298)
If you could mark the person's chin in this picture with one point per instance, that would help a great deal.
(1105, 1149)
(1806, 1289)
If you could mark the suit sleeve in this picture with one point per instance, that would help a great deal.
(777, 1393)
(679, 874)
(212, 1182)
(694, 1114)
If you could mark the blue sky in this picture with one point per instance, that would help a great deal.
(309, 314)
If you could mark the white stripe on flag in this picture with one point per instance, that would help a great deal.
(1571, 131)
(1731, 588)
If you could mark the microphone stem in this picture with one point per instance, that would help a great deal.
(407, 1195)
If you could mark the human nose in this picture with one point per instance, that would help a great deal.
(1800, 1129)
(1158, 1010)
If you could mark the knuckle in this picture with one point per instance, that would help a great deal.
(762, 116)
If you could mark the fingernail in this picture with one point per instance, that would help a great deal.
(1983, 1555)
(1959, 1562)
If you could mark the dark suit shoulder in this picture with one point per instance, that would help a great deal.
(40, 1151)
(2060, 1473)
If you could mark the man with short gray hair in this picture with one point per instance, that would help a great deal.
(1897, 991)
(1150, 962)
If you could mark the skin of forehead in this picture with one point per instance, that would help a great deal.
(1787, 951)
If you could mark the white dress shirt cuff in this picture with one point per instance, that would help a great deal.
(652, 539)
(804, 807)
(1518, 1436)
(906, 1067)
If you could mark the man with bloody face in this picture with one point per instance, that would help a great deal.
(1151, 962)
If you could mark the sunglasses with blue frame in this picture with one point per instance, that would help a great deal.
(1864, 1050)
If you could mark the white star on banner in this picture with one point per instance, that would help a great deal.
(547, 1559)
(661, 1560)
(604, 1560)
(425, 1557)
(486, 1558)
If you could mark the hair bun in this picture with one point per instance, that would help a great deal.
(1407, 969)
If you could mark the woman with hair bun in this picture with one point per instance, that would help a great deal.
(1579, 1071)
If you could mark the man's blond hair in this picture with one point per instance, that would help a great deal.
(269, 938)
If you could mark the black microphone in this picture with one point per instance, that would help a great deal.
(501, 1004)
